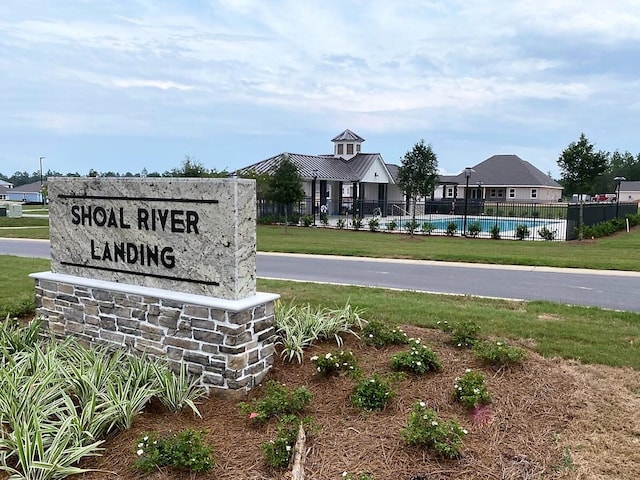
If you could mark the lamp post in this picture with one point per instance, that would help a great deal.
(313, 195)
(618, 181)
(467, 173)
(41, 194)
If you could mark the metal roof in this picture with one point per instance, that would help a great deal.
(347, 136)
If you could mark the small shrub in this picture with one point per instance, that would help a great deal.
(324, 219)
(336, 361)
(474, 229)
(547, 234)
(357, 223)
(184, 450)
(452, 227)
(307, 220)
(379, 334)
(425, 428)
(499, 353)
(374, 225)
(495, 232)
(392, 225)
(465, 334)
(278, 452)
(418, 359)
(443, 325)
(470, 389)
(522, 231)
(411, 226)
(372, 393)
(340, 223)
(277, 401)
(428, 227)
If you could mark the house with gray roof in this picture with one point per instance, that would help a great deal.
(336, 180)
(629, 191)
(501, 178)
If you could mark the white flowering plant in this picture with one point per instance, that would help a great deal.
(470, 389)
(465, 334)
(334, 362)
(277, 400)
(372, 393)
(418, 359)
(499, 353)
(185, 450)
(278, 452)
(379, 334)
(425, 428)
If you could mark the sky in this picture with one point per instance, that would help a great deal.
(122, 86)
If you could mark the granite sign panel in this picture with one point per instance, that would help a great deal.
(190, 235)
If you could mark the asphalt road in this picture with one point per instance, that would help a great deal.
(607, 289)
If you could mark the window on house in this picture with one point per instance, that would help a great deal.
(449, 192)
(349, 148)
(512, 193)
(493, 193)
(500, 193)
(340, 149)
(534, 193)
(358, 147)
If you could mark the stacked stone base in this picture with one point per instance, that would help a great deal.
(227, 345)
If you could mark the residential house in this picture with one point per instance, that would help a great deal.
(501, 178)
(28, 193)
(629, 191)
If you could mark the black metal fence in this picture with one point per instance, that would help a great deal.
(506, 220)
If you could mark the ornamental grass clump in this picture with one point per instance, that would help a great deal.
(465, 334)
(338, 361)
(299, 327)
(418, 359)
(425, 428)
(498, 353)
(276, 402)
(185, 450)
(379, 334)
(470, 389)
(372, 393)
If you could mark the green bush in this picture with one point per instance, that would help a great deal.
(307, 220)
(372, 393)
(474, 229)
(357, 223)
(341, 223)
(278, 451)
(418, 359)
(185, 450)
(425, 428)
(392, 225)
(452, 227)
(374, 225)
(547, 234)
(428, 228)
(276, 401)
(379, 334)
(336, 361)
(522, 231)
(465, 333)
(470, 389)
(495, 232)
(411, 226)
(498, 353)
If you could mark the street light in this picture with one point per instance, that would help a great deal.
(313, 195)
(467, 173)
(618, 181)
(41, 194)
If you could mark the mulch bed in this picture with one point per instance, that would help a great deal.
(517, 437)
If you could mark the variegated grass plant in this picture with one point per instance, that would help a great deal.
(298, 327)
(60, 399)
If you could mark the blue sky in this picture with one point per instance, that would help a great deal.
(126, 85)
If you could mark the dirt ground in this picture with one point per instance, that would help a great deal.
(550, 419)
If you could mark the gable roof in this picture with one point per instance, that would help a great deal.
(630, 186)
(507, 170)
(324, 167)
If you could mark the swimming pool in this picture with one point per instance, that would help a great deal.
(486, 223)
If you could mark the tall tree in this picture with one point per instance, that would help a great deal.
(580, 166)
(286, 185)
(418, 174)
